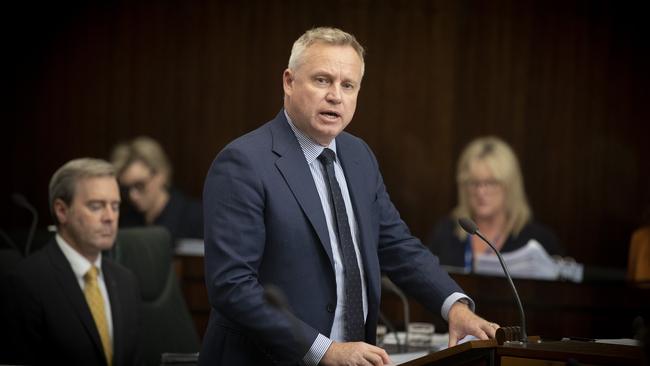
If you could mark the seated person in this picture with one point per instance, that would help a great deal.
(490, 192)
(144, 172)
(70, 305)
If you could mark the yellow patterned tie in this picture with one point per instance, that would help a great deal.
(96, 304)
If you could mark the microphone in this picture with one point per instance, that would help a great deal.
(470, 227)
(390, 286)
(21, 201)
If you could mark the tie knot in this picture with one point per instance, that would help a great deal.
(327, 156)
(91, 275)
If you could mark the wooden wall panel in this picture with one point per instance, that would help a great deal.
(565, 82)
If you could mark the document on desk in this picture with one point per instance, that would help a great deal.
(401, 358)
(190, 247)
(620, 341)
(530, 261)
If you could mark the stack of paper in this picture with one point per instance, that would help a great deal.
(530, 261)
(190, 247)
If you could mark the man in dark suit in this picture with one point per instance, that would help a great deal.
(68, 304)
(301, 205)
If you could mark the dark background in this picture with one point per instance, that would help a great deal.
(565, 82)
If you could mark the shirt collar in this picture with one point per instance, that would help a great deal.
(80, 265)
(310, 148)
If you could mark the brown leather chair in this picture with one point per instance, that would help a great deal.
(638, 265)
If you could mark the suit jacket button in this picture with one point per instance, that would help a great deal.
(330, 308)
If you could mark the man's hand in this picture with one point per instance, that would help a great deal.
(354, 353)
(463, 322)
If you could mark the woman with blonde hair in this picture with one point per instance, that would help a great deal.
(490, 192)
(144, 174)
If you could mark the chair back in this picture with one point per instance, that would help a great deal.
(9, 258)
(166, 322)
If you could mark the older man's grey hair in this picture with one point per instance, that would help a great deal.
(326, 35)
(64, 180)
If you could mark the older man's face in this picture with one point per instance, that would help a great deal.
(321, 93)
(89, 223)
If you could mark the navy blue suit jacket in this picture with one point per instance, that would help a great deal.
(264, 224)
(50, 321)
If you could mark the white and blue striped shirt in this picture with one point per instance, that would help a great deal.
(312, 150)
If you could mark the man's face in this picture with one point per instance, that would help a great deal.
(321, 93)
(89, 223)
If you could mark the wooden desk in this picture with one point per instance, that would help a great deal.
(553, 309)
(191, 273)
(552, 353)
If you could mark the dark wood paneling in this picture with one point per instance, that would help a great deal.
(564, 81)
(192, 282)
(553, 309)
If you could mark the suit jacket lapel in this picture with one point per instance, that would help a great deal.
(292, 165)
(68, 282)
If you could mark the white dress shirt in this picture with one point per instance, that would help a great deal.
(80, 265)
(312, 150)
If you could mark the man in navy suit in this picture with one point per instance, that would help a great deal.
(284, 204)
(67, 303)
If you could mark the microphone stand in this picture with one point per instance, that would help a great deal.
(470, 227)
(21, 201)
(393, 330)
(389, 285)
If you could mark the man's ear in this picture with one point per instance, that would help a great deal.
(287, 81)
(61, 211)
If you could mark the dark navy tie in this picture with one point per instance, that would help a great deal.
(354, 322)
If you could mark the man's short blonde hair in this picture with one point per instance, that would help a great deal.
(64, 181)
(326, 35)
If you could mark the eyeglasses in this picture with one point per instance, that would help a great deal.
(139, 185)
(489, 185)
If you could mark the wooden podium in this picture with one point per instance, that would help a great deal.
(535, 353)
